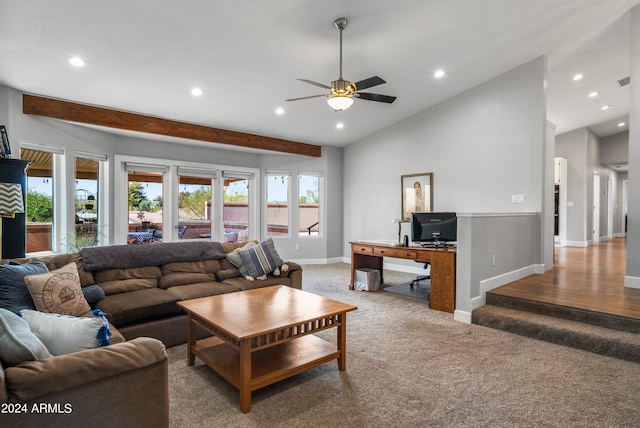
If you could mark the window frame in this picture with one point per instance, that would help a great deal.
(59, 193)
(212, 175)
(102, 200)
(170, 194)
(265, 229)
(320, 176)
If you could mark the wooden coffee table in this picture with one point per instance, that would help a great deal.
(264, 335)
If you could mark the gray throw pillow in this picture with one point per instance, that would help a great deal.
(14, 294)
(93, 293)
(261, 259)
(17, 342)
(236, 259)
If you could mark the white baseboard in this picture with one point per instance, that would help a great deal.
(505, 278)
(500, 280)
(631, 281)
(330, 261)
(462, 316)
(583, 244)
(418, 269)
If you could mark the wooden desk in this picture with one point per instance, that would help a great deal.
(443, 267)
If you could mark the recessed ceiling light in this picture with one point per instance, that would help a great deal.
(279, 111)
(593, 94)
(76, 61)
(607, 107)
(578, 77)
(196, 92)
(621, 124)
(438, 74)
(339, 125)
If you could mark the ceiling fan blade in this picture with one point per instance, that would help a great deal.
(311, 82)
(304, 98)
(375, 97)
(368, 83)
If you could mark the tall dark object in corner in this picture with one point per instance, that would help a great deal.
(14, 230)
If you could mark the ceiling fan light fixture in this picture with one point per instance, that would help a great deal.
(340, 102)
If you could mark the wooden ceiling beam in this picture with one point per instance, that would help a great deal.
(100, 116)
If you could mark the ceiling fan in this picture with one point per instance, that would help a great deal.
(342, 92)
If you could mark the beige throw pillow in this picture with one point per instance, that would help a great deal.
(58, 291)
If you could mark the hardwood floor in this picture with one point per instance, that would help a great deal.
(589, 278)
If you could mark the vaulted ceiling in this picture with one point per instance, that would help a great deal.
(146, 57)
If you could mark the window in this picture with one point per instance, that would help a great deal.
(235, 213)
(88, 215)
(40, 201)
(144, 202)
(309, 204)
(277, 203)
(195, 208)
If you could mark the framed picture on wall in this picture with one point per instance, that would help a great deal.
(6, 148)
(417, 193)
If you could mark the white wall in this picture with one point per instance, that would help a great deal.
(482, 146)
(614, 149)
(632, 279)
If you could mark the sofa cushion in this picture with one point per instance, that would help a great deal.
(14, 294)
(141, 305)
(17, 342)
(58, 291)
(63, 334)
(204, 289)
(114, 281)
(227, 270)
(245, 284)
(261, 259)
(204, 266)
(184, 278)
(60, 260)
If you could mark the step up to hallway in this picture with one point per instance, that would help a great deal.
(600, 319)
(615, 343)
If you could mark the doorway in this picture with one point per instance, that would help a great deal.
(595, 233)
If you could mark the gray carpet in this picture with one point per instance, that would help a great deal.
(409, 366)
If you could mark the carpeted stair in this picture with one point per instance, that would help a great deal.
(604, 334)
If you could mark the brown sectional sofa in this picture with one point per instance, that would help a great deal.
(115, 385)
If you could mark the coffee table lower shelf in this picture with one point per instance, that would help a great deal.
(268, 365)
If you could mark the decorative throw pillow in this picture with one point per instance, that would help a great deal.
(261, 259)
(58, 291)
(236, 259)
(63, 334)
(14, 294)
(17, 342)
(93, 293)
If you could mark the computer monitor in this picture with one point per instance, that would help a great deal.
(433, 227)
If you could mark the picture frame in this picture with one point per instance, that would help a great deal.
(6, 148)
(416, 194)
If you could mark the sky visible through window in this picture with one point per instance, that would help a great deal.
(277, 193)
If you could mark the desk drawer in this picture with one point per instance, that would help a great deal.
(402, 253)
(362, 249)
